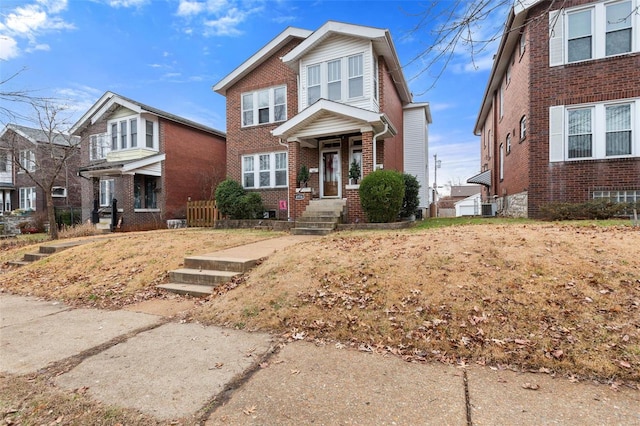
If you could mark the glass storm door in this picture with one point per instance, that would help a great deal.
(330, 173)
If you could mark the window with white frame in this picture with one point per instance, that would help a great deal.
(523, 127)
(58, 192)
(27, 160)
(523, 43)
(264, 106)
(314, 86)
(334, 80)
(28, 198)
(123, 134)
(356, 76)
(4, 162)
(355, 155)
(598, 30)
(501, 165)
(596, 131)
(107, 187)
(508, 142)
(501, 101)
(98, 147)
(375, 78)
(265, 170)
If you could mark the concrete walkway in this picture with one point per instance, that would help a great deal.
(194, 374)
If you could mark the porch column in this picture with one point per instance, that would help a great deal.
(367, 153)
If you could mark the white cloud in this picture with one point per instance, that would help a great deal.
(8, 48)
(226, 25)
(189, 8)
(127, 3)
(30, 22)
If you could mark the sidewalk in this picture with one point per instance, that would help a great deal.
(173, 371)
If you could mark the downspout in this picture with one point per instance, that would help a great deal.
(375, 137)
(288, 182)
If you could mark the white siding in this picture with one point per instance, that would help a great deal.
(556, 133)
(416, 150)
(334, 47)
(329, 125)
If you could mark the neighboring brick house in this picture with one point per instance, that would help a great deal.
(322, 99)
(560, 118)
(150, 161)
(25, 159)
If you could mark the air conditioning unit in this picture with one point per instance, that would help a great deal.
(489, 209)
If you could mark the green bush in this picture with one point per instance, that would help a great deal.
(593, 209)
(236, 203)
(411, 199)
(381, 195)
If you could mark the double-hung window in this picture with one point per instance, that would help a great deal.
(107, 187)
(28, 198)
(27, 160)
(123, 134)
(314, 87)
(4, 162)
(356, 76)
(133, 127)
(618, 33)
(264, 170)
(618, 133)
(580, 42)
(580, 133)
(98, 147)
(264, 106)
(334, 80)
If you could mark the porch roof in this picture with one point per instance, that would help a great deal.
(147, 166)
(483, 178)
(328, 118)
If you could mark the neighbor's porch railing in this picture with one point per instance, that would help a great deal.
(202, 213)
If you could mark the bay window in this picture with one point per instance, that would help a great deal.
(264, 106)
(334, 80)
(123, 134)
(271, 170)
(356, 76)
(313, 84)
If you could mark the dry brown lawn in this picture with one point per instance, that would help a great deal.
(559, 299)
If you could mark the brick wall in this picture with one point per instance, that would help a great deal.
(590, 81)
(390, 152)
(258, 138)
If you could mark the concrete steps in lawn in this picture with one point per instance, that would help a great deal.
(45, 251)
(321, 217)
(201, 274)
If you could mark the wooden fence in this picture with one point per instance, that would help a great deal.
(202, 213)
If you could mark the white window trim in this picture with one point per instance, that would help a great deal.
(102, 145)
(344, 89)
(27, 195)
(141, 136)
(272, 170)
(27, 163)
(559, 32)
(256, 108)
(109, 191)
(63, 193)
(352, 149)
(559, 132)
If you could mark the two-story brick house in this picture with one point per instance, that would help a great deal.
(26, 165)
(560, 117)
(150, 161)
(322, 99)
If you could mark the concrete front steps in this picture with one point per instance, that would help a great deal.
(45, 251)
(201, 274)
(321, 217)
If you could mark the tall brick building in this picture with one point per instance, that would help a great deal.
(150, 161)
(560, 118)
(322, 99)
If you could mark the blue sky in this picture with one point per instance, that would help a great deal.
(168, 54)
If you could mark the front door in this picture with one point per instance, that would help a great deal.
(330, 168)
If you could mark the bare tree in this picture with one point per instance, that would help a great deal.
(43, 153)
(11, 99)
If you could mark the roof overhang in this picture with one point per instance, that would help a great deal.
(140, 166)
(422, 105)
(382, 44)
(483, 178)
(509, 41)
(353, 120)
(260, 56)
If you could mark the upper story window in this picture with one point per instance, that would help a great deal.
(523, 127)
(375, 79)
(4, 162)
(328, 80)
(27, 160)
(618, 133)
(508, 143)
(264, 106)
(584, 33)
(122, 134)
(501, 101)
(523, 43)
(58, 192)
(265, 170)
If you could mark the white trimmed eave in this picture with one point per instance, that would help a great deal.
(259, 57)
(91, 112)
(381, 39)
(362, 120)
(508, 42)
(130, 168)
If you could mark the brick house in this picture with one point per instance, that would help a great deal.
(151, 162)
(560, 118)
(322, 99)
(25, 158)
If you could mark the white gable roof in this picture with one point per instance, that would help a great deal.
(260, 56)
